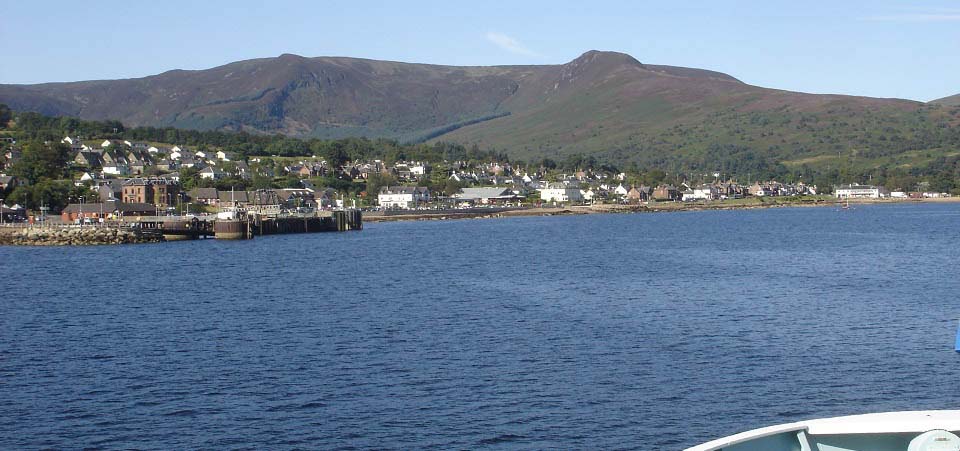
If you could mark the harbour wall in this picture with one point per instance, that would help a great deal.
(75, 236)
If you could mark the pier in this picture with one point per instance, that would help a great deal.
(154, 229)
(188, 228)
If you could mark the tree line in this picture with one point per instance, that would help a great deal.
(44, 161)
(35, 126)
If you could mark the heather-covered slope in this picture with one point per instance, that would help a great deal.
(613, 107)
(949, 101)
(288, 94)
(603, 103)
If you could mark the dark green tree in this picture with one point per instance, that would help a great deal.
(377, 181)
(451, 187)
(261, 182)
(50, 193)
(189, 178)
(41, 161)
(5, 115)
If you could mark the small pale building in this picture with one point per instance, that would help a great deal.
(118, 168)
(853, 191)
(558, 192)
(486, 195)
(212, 173)
(403, 197)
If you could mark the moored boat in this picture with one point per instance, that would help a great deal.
(233, 222)
(930, 430)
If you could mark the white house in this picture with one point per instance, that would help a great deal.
(188, 161)
(403, 197)
(589, 195)
(558, 192)
(621, 190)
(419, 169)
(705, 192)
(211, 173)
(84, 179)
(462, 177)
(852, 191)
(120, 168)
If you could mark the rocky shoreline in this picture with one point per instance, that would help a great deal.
(85, 236)
(585, 210)
(653, 207)
(449, 215)
(73, 236)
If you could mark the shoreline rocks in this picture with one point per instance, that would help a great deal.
(73, 236)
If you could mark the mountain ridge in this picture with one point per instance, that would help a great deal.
(953, 100)
(605, 103)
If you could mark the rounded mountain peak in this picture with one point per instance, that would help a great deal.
(605, 57)
(595, 66)
(290, 57)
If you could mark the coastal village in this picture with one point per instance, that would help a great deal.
(127, 178)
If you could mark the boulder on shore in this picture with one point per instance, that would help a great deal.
(73, 236)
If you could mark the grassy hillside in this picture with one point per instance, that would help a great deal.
(948, 101)
(605, 104)
(630, 113)
(322, 97)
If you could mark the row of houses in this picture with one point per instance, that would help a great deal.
(857, 191)
(150, 190)
(150, 197)
(570, 191)
(175, 152)
(410, 197)
(404, 171)
(110, 209)
(284, 199)
(136, 162)
(113, 162)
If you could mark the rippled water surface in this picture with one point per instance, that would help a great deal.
(650, 332)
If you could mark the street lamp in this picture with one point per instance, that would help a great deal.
(1, 211)
(43, 213)
(81, 211)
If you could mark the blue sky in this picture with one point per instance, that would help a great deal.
(881, 48)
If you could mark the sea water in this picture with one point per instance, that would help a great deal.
(640, 331)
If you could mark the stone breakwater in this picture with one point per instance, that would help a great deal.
(73, 236)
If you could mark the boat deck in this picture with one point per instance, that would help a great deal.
(889, 431)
